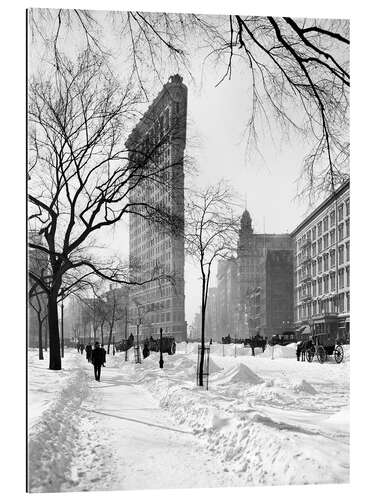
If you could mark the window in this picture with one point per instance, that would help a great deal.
(325, 262)
(341, 302)
(333, 236)
(325, 241)
(319, 229)
(314, 268)
(319, 265)
(341, 278)
(341, 232)
(348, 301)
(341, 254)
(332, 218)
(313, 249)
(325, 223)
(333, 260)
(320, 290)
(308, 234)
(347, 251)
(347, 203)
(314, 288)
(348, 276)
(341, 212)
(314, 307)
(319, 245)
(347, 223)
(313, 233)
(333, 281)
(325, 282)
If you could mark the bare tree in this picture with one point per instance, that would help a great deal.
(82, 178)
(38, 303)
(211, 233)
(298, 69)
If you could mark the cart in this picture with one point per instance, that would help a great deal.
(324, 345)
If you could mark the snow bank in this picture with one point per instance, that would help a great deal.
(279, 351)
(238, 373)
(304, 386)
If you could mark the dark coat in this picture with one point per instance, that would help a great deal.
(98, 356)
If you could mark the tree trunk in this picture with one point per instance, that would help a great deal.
(203, 313)
(40, 337)
(45, 336)
(109, 338)
(54, 339)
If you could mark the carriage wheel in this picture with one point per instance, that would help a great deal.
(310, 354)
(338, 353)
(321, 354)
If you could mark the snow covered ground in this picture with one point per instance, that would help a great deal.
(264, 420)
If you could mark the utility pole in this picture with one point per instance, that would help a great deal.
(161, 360)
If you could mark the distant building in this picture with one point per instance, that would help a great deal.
(322, 266)
(227, 298)
(160, 304)
(255, 290)
(265, 269)
(211, 326)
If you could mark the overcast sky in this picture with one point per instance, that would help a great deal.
(217, 142)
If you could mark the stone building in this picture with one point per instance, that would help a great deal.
(255, 290)
(322, 266)
(151, 246)
(211, 327)
(227, 298)
(263, 271)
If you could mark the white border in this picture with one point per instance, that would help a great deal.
(12, 370)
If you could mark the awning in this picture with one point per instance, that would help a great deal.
(305, 329)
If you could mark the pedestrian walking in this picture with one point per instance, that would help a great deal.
(104, 353)
(298, 350)
(88, 352)
(78, 346)
(81, 347)
(98, 360)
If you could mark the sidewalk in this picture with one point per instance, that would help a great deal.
(128, 442)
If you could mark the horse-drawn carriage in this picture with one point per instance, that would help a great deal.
(323, 345)
(256, 341)
(168, 344)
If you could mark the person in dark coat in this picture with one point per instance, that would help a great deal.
(104, 352)
(98, 360)
(81, 347)
(88, 352)
(299, 350)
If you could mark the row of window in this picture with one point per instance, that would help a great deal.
(329, 221)
(306, 311)
(325, 284)
(324, 243)
(324, 263)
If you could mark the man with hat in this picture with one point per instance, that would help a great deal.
(98, 359)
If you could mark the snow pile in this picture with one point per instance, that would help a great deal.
(280, 351)
(238, 373)
(304, 386)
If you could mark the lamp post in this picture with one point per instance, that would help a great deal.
(161, 361)
(62, 322)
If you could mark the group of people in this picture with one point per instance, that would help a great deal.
(80, 347)
(96, 356)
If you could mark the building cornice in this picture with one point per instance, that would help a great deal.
(320, 208)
